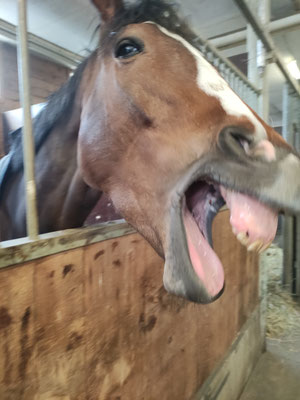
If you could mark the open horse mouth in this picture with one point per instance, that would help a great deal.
(253, 223)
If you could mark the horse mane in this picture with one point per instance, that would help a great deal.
(60, 103)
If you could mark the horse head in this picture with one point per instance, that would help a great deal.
(164, 135)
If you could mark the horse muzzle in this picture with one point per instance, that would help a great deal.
(256, 185)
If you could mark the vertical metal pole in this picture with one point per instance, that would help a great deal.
(287, 133)
(288, 221)
(28, 143)
(288, 252)
(258, 66)
(263, 61)
(253, 75)
(297, 260)
(295, 122)
(297, 142)
(258, 74)
(252, 51)
(265, 100)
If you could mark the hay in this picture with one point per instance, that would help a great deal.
(283, 313)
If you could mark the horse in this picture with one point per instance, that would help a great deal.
(148, 121)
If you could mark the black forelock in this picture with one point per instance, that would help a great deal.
(160, 12)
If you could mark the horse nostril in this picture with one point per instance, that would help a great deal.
(242, 142)
(233, 139)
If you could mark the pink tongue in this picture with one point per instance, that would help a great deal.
(250, 217)
(204, 260)
(254, 220)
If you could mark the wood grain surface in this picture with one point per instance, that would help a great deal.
(96, 323)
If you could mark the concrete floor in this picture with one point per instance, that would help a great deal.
(277, 373)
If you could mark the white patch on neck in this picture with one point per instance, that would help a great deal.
(211, 82)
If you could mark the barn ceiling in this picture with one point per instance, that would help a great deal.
(71, 24)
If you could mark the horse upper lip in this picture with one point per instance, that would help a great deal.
(195, 173)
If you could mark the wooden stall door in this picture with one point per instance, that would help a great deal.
(95, 323)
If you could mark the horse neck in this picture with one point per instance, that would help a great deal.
(64, 200)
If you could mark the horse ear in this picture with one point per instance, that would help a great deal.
(108, 8)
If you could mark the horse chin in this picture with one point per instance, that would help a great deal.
(192, 268)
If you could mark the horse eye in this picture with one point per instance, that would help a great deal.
(128, 48)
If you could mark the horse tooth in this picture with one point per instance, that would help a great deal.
(243, 238)
(265, 247)
(255, 246)
(251, 247)
(259, 249)
(259, 246)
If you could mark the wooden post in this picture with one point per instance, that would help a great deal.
(28, 142)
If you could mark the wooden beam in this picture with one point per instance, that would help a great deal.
(18, 251)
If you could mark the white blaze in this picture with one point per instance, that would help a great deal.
(211, 82)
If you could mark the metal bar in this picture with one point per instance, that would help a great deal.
(253, 70)
(267, 42)
(288, 251)
(287, 133)
(252, 56)
(296, 133)
(265, 101)
(28, 143)
(288, 221)
(263, 61)
(42, 47)
(297, 258)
